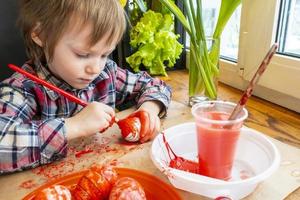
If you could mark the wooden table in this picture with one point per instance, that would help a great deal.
(270, 119)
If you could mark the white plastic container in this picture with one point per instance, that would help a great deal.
(256, 159)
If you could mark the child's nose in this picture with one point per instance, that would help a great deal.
(94, 67)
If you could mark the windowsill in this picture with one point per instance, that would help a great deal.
(231, 77)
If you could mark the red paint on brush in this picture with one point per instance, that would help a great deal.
(180, 163)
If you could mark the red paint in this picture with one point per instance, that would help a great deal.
(56, 169)
(137, 123)
(185, 165)
(126, 143)
(244, 174)
(216, 146)
(223, 198)
(82, 152)
(99, 145)
(245, 96)
(114, 163)
(130, 125)
(29, 184)
(113, 120)
(179, 162)
(212, 139)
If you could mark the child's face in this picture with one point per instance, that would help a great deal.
(77, 63)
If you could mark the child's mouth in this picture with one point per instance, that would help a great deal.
(83, 80)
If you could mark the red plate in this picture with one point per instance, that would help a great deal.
(155, 188)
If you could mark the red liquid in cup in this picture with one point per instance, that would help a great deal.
(216, 146)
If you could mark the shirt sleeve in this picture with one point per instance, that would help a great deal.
(25, 142)
(141, 87)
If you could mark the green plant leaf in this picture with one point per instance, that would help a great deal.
(142, 5)
(226, 10)
(205, 61)
(177, 12)
(156, 43)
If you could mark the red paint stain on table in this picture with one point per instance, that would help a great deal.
(76, 159)
(126, 143)
(82, 152)
(56, 169)
(29, 184)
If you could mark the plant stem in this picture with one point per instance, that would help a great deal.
(205, 62)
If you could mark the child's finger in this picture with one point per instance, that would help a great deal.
(109, 121)
(145, 129)
(109, 110)
(104, 129)
(145, 123)
(151, 131)
(155, 127)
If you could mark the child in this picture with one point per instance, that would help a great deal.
(68, 43)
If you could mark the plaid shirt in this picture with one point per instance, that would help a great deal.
(32, 130)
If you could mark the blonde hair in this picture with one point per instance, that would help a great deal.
(53, 18)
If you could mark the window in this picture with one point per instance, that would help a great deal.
(247, 37)
(230, 36)
(258, 31)
(289, 28)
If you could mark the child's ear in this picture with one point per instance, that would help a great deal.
(35, 35)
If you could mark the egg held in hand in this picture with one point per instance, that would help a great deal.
(130, 128)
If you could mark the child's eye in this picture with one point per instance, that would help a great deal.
(104, 56)
(82, 55)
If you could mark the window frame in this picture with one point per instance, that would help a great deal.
(280, 83)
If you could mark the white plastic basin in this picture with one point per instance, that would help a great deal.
(256, 159)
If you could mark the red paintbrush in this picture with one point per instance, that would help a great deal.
(254, 80)
(52, 87)
(48, 85)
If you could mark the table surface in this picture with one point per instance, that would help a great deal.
(272, 120)
(277, 122)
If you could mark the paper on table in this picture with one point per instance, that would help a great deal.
(278, 186)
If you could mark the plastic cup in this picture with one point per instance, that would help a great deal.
(217, 137)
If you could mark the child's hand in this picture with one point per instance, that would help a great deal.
(150, 124)
(90, 120)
